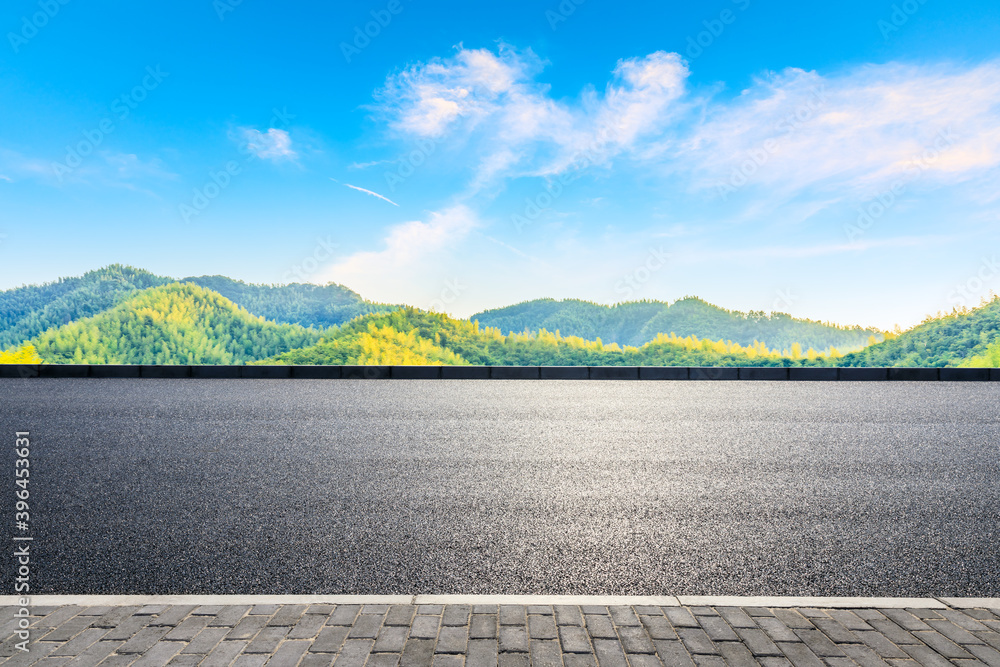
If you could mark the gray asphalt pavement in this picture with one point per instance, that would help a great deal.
(277, 486)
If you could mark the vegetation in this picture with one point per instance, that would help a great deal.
(638, 322)
(25, 354)
(955, 339)
(172, 324)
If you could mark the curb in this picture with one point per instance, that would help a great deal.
(603, 600)
(648, 373)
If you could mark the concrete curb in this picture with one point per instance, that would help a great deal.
(649, 373)
(656, 600)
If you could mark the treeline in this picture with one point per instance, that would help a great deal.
(639, 322)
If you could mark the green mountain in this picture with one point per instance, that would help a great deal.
(638, 322)
(172, 324)
(27, 311)
(966, 337)
(412, 336)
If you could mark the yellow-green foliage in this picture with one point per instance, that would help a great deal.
(26, 354)
(990, 358)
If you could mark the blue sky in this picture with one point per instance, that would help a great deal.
(838, 162)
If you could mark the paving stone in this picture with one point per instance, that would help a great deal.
(696, 641)
(160, 654)
(354, 653)
(960, 618)
(924, 613)
(391, 639)
(545, 653)
(375, 609)
(425, 627)
(703, 611)
(878, 643)
(366, 627)
(600, 627)
(482, 653)
(868, 614)
(991, 638)
(325, 609)
(208, 610)
(820, 644)
(456, 614)
(736, 617)
(143, 640)
(893, 632)
(307, 627)
(927, 656)
(187, 629)
(905, 619)
(344, 614)
(383, 660)
(609, 653)
(264, 609)
(98, 610)
(94, 654)
(288, 615)
(623, 616)
(431, 609)
(792, 619)
(317, 660)
(647, 610)
(574, 640)
(113, 618)
(839, 662)
(541, 609)
(173, 615)
(717, 629)
(736, 654)
(68, 629)
(757, 611)
(484, 608)
(568, 615)
(941, 644)
(835, 631)
(777, 630)
(441, 660)
(151, 610)
(452, 639)
(513, 639)
(205, 640)
(246, 660)
(863, 655)
(57, 617)
(248, 627)
(709, 661)
(330, 639)
(578, 660)
(986, 654)
(658, 627)
(185, 660)
(758, 642)
(542, 627)
(514, 660)
(289, 654)
(980, 614)
(799, 654)
(513, 615)
(400, 614)
(635, 640)
(417, 653)
(483, 626)
(224, 654)
(594, 609)
(229, 617)
(680, 617)
(644, 660)
(775, 662)
(957, 634)
(267, 640)
(850, 620)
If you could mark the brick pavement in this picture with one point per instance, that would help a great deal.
(502, 635)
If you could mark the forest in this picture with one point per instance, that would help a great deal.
(123, 315)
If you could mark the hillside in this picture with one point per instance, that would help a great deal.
(411, 336)
(966, 337)
(171, 324)
(638, 322)
(27, 311)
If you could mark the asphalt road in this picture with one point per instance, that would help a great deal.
(294, 486)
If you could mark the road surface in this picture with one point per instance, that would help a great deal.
(645, 488)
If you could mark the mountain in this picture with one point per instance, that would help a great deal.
(27, 311)
(412, 336)
(638, 322)
(172, 324)
(963, 337)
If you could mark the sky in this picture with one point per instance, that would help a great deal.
(839, 162)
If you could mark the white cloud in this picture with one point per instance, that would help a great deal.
(369, 192)
(274, 144)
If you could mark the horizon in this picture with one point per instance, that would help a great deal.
(482, 157)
